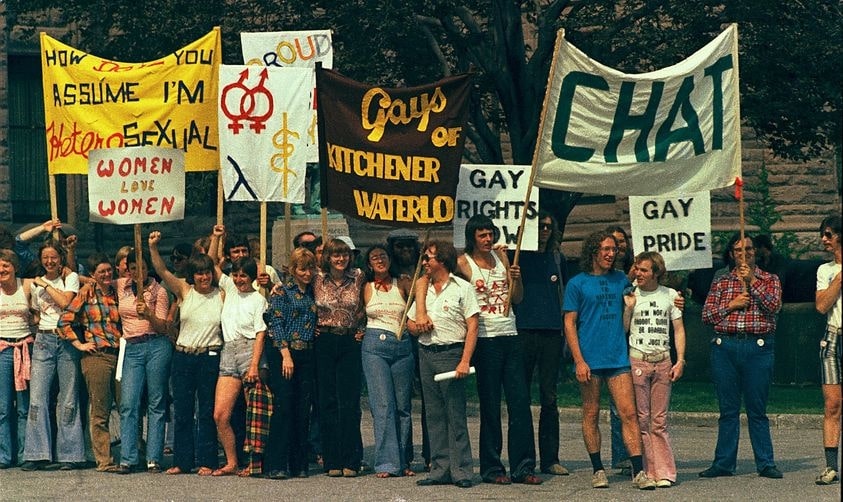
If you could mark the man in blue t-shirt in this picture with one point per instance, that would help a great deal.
(593, 307)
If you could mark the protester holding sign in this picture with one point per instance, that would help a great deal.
(499, 357)
(742, 306)
(539, 320)
(828, 302)
(649, 309)
(53, 358)
(146, 363)
(196, 360)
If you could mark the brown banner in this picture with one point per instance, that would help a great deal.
(391, 156)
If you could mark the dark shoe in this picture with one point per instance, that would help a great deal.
(463, 483)
(4, 466)
(51, 466)
(501, 479)
(714, 472)
(153, 467)
(33, 465)
(122, 469)
(431, 482)
(771, 472)
(528, 479)
(301, 474)
(67, 466)
(278, 474)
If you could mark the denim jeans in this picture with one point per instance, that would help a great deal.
(14, 408)
(194, 382)
(54, 358)
(500, 364)
(542, 349)
(145, 365)
(338, 370)
(389, 369)
(742, 369)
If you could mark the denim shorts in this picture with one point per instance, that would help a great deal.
(830, 355)
(607, 373)
(236, 357)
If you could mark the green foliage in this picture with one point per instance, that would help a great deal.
(762, 210)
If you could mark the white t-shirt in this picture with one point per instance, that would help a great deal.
(654, 311)
(44, 303)
(825, 274)
(448, 311)
(242, 313)
(200, 316)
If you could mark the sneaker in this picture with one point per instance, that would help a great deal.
(599, 479)
(153, 467)
(642, 482)
(664, 483)
(827, 477)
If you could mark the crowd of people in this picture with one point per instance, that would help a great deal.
(269, 366)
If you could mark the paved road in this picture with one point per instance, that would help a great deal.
(797, 442)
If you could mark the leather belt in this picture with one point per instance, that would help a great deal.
(744, 336)
(648, 358)
(142, 338)
(337, 331)
(197, 350)
(440, 348)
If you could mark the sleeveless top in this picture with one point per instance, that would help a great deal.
(14, 314)
(385, 308)
(491, 289)
(200, 316)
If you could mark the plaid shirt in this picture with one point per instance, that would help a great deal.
(258, 413)
(758, 318)
(99, 316)
(291, 315)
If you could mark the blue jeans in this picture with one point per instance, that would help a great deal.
(194, 383)
(145, 365)
(12, 404)
(742, 369)
(53, 357)
(389, 369)
(500, 364)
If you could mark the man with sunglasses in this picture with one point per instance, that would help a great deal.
(445, 344)
(539, 321)
(742, 307)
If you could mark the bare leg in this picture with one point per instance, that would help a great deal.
(226, 394)
(623, 393)
(590, 393)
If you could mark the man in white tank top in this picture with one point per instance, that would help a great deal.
(499, 357)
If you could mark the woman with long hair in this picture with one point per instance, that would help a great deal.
(388, 365)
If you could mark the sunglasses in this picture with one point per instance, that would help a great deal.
(545, 226)
(828, 235)
(426, 257)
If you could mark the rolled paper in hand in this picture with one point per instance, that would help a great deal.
(448, 375)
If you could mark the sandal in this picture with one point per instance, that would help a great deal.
(384, 475)
(409, 472)
(224, 471)
(174, 470)
(205, 471)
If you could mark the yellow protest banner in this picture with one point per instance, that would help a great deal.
(93, 103)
